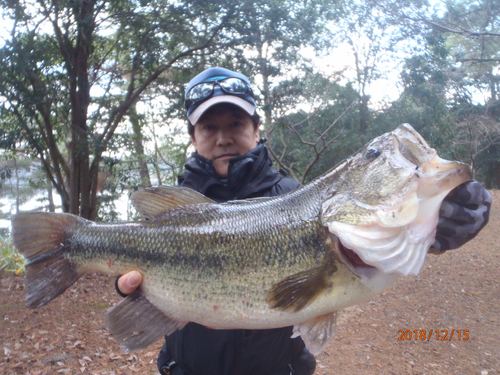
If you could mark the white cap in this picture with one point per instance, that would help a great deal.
(203, 107)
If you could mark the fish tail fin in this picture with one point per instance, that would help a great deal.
(40, 237)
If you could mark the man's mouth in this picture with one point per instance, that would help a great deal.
(226, 156)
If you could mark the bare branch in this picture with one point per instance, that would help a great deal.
(456, 29)
(289, 169)
(132, 95)
(59, 185)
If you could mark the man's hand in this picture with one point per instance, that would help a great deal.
(128, 283)
(463, 213)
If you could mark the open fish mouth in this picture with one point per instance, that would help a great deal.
(388, 219)
(349, 256)
(357, 266)
(396, 245)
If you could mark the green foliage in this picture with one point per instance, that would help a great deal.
(10, 260)
(70, 73)
(116, 116)
(450, 89)
(312, 140)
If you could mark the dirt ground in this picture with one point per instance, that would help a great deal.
(458, 292)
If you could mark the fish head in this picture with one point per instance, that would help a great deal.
(383, 204)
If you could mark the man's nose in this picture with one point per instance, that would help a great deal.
(224, 138)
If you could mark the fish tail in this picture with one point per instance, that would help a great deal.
(40, 237)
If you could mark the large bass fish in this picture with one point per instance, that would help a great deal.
(294, 259)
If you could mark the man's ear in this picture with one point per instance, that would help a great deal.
(193, 141)
(257, 133)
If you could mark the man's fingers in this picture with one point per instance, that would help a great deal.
(129, 282)
(470, 194)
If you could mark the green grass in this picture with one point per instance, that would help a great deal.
(10, 260)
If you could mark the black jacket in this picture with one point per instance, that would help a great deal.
(202, 351)
(249, 176)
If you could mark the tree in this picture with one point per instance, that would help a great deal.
(476, 134)
(272, 36)
(472, 31)
(377, 45)
(266, 46)
(305, 141)
(21, 179)
(425, 79)
(64, 66)
(464, 38)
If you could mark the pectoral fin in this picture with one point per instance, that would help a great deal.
(317, 332)
(136, 323)
(297, 291)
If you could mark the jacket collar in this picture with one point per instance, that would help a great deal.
(247, 174)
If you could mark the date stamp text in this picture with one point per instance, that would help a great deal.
(433, 334)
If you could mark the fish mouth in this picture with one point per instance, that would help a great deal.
(355, 263)
(351, 257)
(441, 175)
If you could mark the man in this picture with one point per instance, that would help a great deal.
(231, 163)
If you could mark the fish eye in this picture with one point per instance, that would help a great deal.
(372, 153)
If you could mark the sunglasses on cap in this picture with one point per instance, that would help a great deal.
(204, 90)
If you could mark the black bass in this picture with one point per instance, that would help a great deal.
(294, 259)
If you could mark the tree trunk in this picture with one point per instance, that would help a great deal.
(156, 161)
(81, 183)
(363, 113)
(52, 206)
(17, 185)
(493, 85)
(268, 114)
(139, 147)
(497, 175)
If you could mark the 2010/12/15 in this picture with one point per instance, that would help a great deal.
(421, 334)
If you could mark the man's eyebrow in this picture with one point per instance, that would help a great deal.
(238, 115)
(206, 118)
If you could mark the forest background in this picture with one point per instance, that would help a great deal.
(91, 91)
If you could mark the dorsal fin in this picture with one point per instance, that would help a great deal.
(153, 202)
(249, 200)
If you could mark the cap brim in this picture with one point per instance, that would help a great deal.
(203, 107)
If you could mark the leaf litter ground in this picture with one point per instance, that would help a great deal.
(456, 291)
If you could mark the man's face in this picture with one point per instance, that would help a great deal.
(222, 134)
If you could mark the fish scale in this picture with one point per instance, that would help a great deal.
(215, 230)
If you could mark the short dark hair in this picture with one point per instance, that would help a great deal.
(228, 107)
